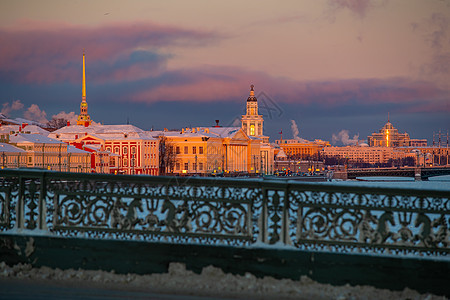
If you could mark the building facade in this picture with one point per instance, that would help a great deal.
(361, 154)
(302, 149)
(388, 136)
(126, 149)
(50, 154)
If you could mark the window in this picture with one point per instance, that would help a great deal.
(252, 129)
(125, 162)
(200, 166)
(194, 150)
(194, 166)
(116, 150)
(133, 149)
(200, 150)
(108, 149)
(177, 166)
(125, 150)
(178, 150)
(186, 149)
(186, 166)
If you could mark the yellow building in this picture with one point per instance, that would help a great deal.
(47, 153)
(12, 157)
(213, 150)
(388, 136)
(302, 149)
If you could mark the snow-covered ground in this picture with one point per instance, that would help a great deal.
(212, 282)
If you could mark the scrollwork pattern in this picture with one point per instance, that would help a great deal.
(238, 213)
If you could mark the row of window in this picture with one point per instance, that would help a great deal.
(186, 150)
(186, 167)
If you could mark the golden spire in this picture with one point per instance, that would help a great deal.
(83, 88)
(252, 92)
(84, 118)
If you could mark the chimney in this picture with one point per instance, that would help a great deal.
(68, 123)
(217, 123)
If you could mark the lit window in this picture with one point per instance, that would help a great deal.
(252, 129)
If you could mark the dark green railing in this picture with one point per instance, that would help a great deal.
(226, 211)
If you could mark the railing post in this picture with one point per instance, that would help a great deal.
(42, 208)
(20, 223)
(285, 237)
(262, 222)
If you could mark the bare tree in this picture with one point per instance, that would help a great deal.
(167, 155)
(57, 123)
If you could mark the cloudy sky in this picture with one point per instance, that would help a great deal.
(329, 65)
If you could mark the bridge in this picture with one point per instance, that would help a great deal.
(285, 229)
(418, 173)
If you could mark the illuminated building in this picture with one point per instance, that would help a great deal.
(84, 119)
(388, 136)
(365, 154)
(302, 149)
(212, 150)
(12, 157)
(252, 122)
(117, 149)
(50, 154)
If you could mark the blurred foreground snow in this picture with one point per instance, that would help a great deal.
(212, 282)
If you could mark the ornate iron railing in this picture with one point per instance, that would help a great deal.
(226, 211)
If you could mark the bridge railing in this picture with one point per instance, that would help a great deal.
(226, 212)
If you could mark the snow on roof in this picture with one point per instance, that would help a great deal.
(9, 148)
(72, 149)
(223, 132)
(32, 138)
(35, 129)
(102, 132)
(9, 128)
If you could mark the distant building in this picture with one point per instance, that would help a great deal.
(370, 155)
(302, 149)
(388, 136)
(418, 142)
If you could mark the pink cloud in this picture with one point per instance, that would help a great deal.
(46, 53)
(219, 83)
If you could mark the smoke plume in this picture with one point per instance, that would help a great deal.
(295, 132)
(344, 138)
